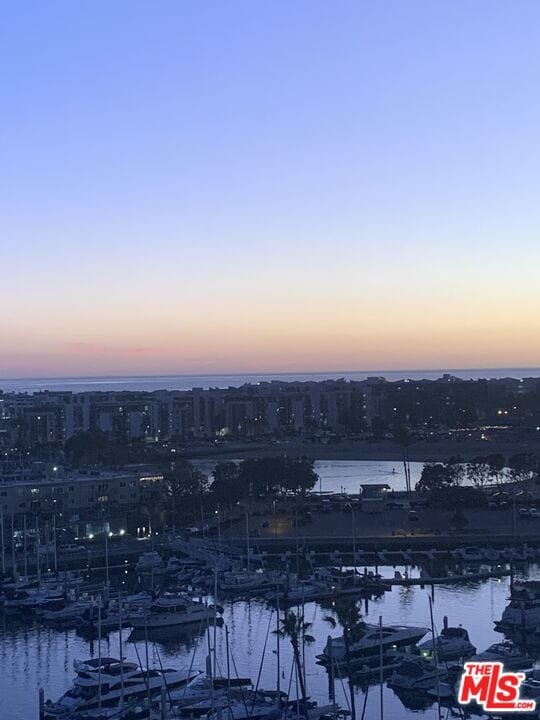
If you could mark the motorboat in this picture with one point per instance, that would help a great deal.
(30, 599)
(247, 581)
(242, 705)
(109, 682)
(204, 687)
(506, 652)
(109, 619)
(367, 667)
(150, 563)
(452, 643)
(236, 704)
(184, 568)
(417, 674)
(469, 554)
(523, 611)
(139, 601)
(66, 611)
(137, 709)
(368, 640)
(172, 609)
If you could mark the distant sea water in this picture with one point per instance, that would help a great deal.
(187, 382)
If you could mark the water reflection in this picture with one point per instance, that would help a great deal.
(34, 655)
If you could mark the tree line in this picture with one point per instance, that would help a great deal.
(187, 490)
(479, 471)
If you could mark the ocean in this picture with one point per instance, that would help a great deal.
(187, 382)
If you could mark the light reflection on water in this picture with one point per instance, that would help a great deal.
(33, 656)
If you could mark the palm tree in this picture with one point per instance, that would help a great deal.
(350, 619)
(293, 627)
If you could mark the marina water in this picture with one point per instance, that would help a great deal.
(33, 655)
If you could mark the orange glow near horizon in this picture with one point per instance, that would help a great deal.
(285, 339)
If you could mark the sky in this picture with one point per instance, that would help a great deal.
(242, 186)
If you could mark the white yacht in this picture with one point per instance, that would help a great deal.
(204, 687)
(66, 611)
(417, 674)
(511, 656)
(523, 610)
(452, 643)
(150, 563)
(172, 609)
(109, 682)
(140, 601)
(243, 581)
(31, 599)
(184, 567)
(369, 639)
(237, 703)
(250, 705)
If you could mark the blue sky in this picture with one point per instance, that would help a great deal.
(232, 186)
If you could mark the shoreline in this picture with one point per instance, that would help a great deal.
(438, 451)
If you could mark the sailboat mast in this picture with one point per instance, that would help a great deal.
(107, 561)
(99, 652)
(147, 662)
(278, 650)
(38, 565)
(54, 543)
(381, 673)
(247, 539)
(3, 548)
(120, 647)
(13, 560)
(228, 663)
(215, 620)
(435, 655)
(25, 548)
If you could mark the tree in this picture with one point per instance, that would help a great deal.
(227, 487)
(522, 466)
(86, 448)
(478, 472)
(434, 477)
(300, 477)
(496, 463)
(261, 477)
(185, 488)
(293, 627)
(456, 470)
(95, 448)
(350, 619)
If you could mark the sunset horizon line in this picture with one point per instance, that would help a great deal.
(258, 373)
